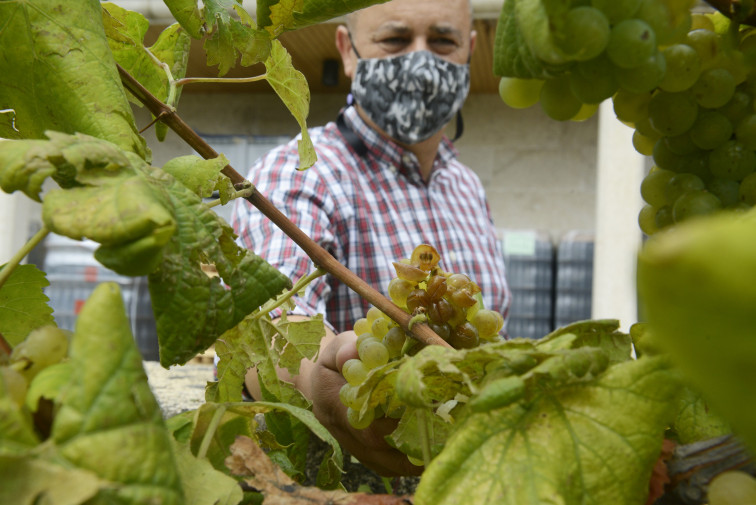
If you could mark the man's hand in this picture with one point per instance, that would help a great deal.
(322, 388)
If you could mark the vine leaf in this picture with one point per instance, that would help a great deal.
(23, 480)
(230, 37)
(201, 176)
(62, 75)
(108, 405)
(291, 86)
(202, 483)
(592, 442)
(278, 16)
(23, 304)
(188, 15)
(695, 421)
(125, 31)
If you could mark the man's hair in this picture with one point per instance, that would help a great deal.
(351, 18)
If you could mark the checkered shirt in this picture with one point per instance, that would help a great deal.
(369, 211)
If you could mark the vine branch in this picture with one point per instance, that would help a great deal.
(322, 258)
(21, 254)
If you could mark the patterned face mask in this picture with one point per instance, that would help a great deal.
(411, 96)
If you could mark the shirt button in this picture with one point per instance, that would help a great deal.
(406, 160)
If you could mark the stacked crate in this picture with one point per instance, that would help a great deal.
(529, 263)
(574, 278)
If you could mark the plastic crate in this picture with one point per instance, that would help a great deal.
(529, 263)
(574, 278)
(74, 273)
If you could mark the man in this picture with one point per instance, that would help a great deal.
(386, 181)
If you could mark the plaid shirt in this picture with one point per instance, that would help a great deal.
(369, 211)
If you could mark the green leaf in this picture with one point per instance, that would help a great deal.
(250, 344)
(48, 383)
(188, 15)
(230, 37)
(8, 128)
(126, 30)
(695, 421)
(61, 74)
(593, 442)
(278, 16)
(23, 304)
(192, 309)
(301, 339)
(29, 481)
(17, 435)
(329, 474)
(699, 300)
(291, 86)
(603, 333)
(199, 175)
(214, 420)
(202, 483)
(108, 408)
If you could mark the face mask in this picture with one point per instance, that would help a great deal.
(411, 96)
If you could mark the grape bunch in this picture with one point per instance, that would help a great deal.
(595, 48)
(450, 303)
(732, 488)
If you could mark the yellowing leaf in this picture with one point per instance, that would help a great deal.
(291, 86)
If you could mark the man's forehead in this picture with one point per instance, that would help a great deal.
(407, 14)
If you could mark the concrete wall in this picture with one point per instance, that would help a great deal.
(539, 173)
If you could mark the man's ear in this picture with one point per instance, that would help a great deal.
(344, 45)
(473, 40)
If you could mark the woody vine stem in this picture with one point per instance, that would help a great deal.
(322, 258)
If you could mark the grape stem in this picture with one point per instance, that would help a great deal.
(207, 438)
(322, 258)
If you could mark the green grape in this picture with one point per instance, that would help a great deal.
(672, 113)
(707, 44)
(644, 145)
(669, 24)
(745, 132)
(347, 394)
(711, 129)
(701, 21)
(365, 336)
(738, 107)
(380, 327)
(695, 203)
(724, 189)
(354, 371)
(653, 187)
(353, 416)
(747, 190)
(587, 111)
(631, 107)
(464, 336)
(361, 326)
(667, 159)
(714, 88)
(487, 322)
(679, 184)
(664, 217)
(631, 42)
(398, 289)
(682, 144)
(732, 160)
(584, 34)
(520, 93)
(373, 313)
(557, 101)
(394, 341)
(732, 488)
(15, 384)
(43, 347)
(373, 353)
(617, 10)
(683, 68)
(593, 81)
(647, 220)
(644, 77)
